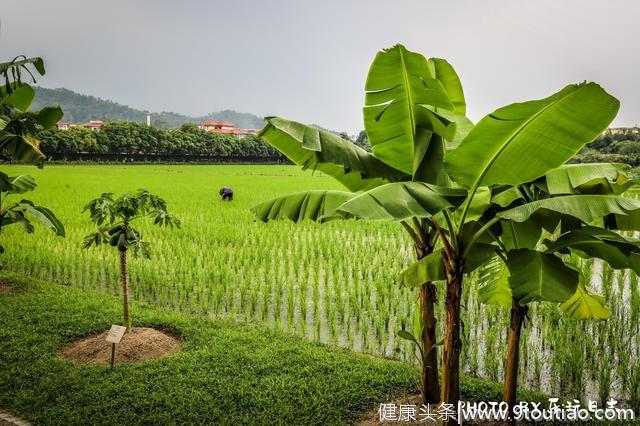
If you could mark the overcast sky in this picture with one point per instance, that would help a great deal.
(307, 60)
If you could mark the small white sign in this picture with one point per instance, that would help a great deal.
(115, 333)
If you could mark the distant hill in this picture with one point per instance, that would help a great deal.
(80, 108)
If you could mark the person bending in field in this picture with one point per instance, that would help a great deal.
(226, 193)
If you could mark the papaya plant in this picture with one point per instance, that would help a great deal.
(463, 182)
(114, 218)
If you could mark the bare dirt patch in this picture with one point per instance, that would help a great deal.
(141, 344)
(7, 288)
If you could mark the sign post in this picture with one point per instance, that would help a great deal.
(114, 337)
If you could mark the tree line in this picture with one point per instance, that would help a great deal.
(615, 147)
(137, 138)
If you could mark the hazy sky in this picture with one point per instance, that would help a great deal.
(307, 60)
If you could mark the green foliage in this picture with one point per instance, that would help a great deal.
(311, 205)
(536, 276)
(598, 178)
(136, 138)
(403, 200)
(18, 127)
(113, 217)
(403, 93)
(22, 211)
(493, 152)
(614, 145)
(316, 149)
(429, 268)
(414, 119)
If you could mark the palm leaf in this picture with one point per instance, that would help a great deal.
(21, 184)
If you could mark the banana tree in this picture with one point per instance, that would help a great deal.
(114, 217)
(546, 133)
(18, 126)
(484, 165)
(413, 107)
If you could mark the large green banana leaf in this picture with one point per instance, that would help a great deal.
(503, 195)
(537, 276)
(19, 96)
(429, 268)
(616, 250)
(42, 215)
(20, 184)
(449, 79)
(589, 178)
(312, 205)
(316, 149)
(518, 235)
(628, 222)
(583, 305)
(21, 148)
(402, 200)
(586, 208)
(493, 277)
(521, 142)
(402, 93)
(20, 63)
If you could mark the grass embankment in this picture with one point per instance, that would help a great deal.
(226, 373)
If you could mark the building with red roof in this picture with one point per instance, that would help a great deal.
(225, 127)
(63, 125)
(95, 124)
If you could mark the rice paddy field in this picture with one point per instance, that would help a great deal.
(333, 283)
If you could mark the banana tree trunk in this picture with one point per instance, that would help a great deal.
(124, 280)
(452, 341)
(429, 378)
(518, 314)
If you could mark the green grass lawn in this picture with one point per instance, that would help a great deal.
(226, 373)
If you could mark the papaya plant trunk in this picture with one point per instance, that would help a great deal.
(124, 280)
(452, 340)
(429, 377)
(518, 314)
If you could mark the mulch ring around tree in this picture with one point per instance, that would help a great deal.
(372, 417)
(7, 288)
(141, 344)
